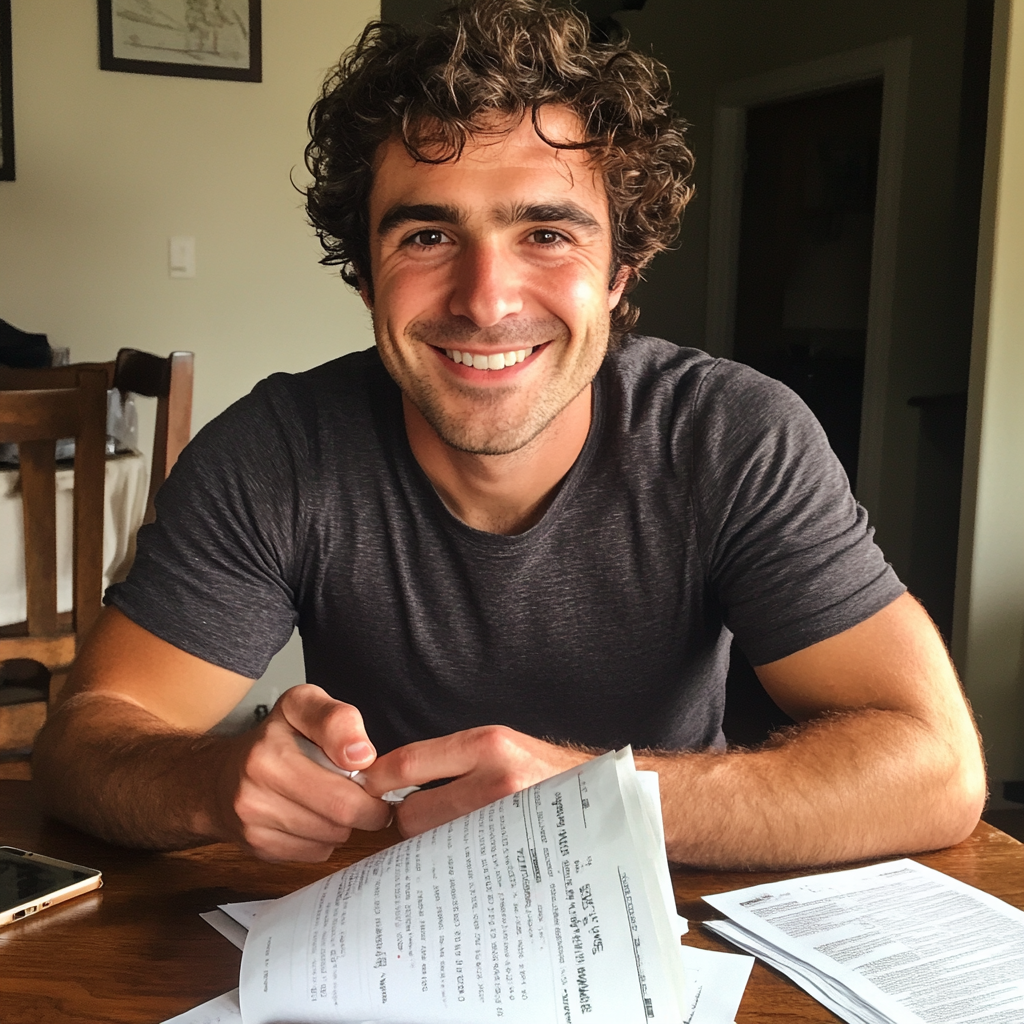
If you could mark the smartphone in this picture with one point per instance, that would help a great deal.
(30, 882)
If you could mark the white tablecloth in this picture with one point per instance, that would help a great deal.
(127, 483)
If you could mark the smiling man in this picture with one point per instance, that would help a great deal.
(492, 300)
(511, 534)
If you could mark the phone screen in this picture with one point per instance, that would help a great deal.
(24, 878)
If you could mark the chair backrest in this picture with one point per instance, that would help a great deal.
(36, 419)
(168, 379)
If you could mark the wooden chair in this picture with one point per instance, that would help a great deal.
(35, 420)
(168, 379)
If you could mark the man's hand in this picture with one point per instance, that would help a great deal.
(127, 755)
(484, 764)
(276, 802)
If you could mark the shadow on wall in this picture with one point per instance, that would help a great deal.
(940, 462)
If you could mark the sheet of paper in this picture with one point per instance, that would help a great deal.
(544, 906)
(715, 983)
(650, 795)
(232, 920)
(229, 928)
(895, 941)
(843, 1003)
(219, 1010)
(245, 913)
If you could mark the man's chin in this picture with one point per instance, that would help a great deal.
(478, 433)
(503, 441)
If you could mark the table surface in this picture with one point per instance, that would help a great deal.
(137, 951)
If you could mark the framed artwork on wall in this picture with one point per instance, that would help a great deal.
(6, 96)
(185, 38)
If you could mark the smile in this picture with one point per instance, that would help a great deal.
(494, 361)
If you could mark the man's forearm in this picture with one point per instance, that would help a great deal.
(139, 783)
(844, 787)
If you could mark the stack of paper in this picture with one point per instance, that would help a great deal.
(550, 905)
(891, 942)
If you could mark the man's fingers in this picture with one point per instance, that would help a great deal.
(334, 726)
(496, 748)
(298, 782)
(272, 845)
(261, 814)
(432, 807)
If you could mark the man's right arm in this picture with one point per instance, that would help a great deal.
(125, 755)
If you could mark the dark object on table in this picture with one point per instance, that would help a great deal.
(21, 349)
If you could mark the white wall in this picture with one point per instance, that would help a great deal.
(989, 635)
(110, 165)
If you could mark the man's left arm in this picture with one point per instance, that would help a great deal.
(885, 760)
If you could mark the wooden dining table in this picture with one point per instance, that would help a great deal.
(137, 951)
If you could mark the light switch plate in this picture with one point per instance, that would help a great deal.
(182, 256)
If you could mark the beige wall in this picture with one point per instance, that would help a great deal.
(989, 637)
(110, 165)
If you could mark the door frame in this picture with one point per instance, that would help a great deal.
(890, 62)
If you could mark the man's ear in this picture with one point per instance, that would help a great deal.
(622, 280)
(366, 293)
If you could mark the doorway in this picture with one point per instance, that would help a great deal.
(803, 278)
(803, 283)
(806, 174)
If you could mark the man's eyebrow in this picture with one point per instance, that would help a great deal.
(566, 212)
(402, 213)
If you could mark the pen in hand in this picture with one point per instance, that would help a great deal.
(316, 754)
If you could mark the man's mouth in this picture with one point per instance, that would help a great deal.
(492, 361)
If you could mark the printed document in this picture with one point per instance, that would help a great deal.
(893, 942)
(550, 905)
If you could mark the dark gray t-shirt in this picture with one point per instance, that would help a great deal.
(705, 500)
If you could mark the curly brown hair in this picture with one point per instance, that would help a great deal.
(437, 88)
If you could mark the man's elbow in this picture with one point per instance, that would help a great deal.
(961, 795)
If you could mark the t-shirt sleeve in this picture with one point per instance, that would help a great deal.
(787, 548)
(215, 574)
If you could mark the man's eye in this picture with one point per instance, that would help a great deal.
(543, 236)
(429, 237)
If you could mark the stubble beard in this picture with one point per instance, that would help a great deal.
(498, 424)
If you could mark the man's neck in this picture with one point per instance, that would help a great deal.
(502, 493)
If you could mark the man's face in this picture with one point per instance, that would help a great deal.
(491, 282)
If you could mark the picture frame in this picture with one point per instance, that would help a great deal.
(6, 94)
(183, 38)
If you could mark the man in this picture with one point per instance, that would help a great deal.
(510, 538)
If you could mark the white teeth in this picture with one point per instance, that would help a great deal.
(496, 361)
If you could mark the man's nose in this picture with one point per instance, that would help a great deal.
(488, 286)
